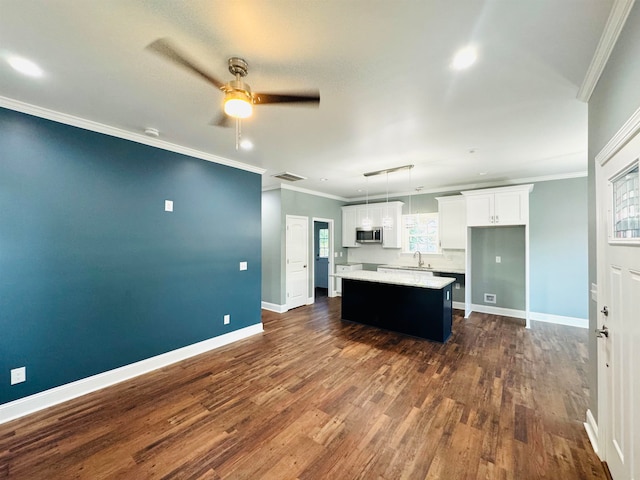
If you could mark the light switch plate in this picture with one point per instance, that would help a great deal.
(243, 265)
(18, 375)
(168, 205)
(498, 259)
(227, 319)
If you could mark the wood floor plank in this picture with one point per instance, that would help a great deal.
(314, 397)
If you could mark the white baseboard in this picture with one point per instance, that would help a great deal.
(560, 319)
(507, 312)
(48, 398)
(458, 305)
(274, 307)
(592, 432)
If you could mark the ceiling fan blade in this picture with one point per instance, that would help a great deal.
(222, 120)
(311, 97)
(164, 48)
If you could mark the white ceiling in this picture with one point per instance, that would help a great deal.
(388, 94)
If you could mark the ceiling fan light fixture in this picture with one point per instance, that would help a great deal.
(237, 104)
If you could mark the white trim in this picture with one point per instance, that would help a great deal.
(311, 192)
(274, 307)
(612, 29)
(120, 133)
(506, 312)
(456, 189)
(48, 398)
(591, 426)
(560, 319)
(630, 128)
(458, 305)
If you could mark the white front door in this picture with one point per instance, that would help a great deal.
(619, 306)
(297, 258)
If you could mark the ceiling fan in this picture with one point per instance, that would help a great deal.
(238, 97)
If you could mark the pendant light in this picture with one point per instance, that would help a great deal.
(367, 224)
(387, 221)
(410, 220)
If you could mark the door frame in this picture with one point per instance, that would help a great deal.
(599, 433)
(332, 289)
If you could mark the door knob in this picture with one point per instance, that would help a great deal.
(602, 332)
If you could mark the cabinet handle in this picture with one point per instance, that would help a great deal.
(492, 219)
(497, 221)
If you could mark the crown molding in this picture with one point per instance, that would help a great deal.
(620, 139)
(475, 186)
(90, 125)
(310, 192)
(617, 18)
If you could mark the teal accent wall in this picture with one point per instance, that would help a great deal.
(505, 279)
(559, 248)
(94, 274)
(615, 98)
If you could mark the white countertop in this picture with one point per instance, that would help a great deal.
(403, 277)
(459, 271)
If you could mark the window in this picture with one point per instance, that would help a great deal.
(422, 234)
(323, 240)
(626, 205)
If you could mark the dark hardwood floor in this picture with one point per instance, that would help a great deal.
(317, 398)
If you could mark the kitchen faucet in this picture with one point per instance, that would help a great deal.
(420, 262)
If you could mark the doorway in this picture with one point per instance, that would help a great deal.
(618, 263)
(322, 258)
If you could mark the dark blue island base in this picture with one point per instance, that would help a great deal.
(417, 311)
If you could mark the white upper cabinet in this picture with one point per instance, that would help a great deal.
(498, 206)
(352, 216)
(452, 222)
(349, 223)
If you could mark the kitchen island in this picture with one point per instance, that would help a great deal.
(401, 302)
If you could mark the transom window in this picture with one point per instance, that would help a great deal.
(420, 233)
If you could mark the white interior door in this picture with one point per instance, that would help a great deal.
(619, 305)
(297, 258)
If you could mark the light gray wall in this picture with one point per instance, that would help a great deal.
(271, 246)
(505, 279)
(615, 98)
(276, 205)
(558, 248)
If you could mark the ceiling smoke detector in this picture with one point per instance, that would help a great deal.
(291, 177)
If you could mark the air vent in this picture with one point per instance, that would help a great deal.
(291, 177)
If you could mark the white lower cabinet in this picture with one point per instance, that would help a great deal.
(345, 269)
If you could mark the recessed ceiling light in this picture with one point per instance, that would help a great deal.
(324, 179)
(151, 132)
(464, 58)
(24, 66)
(246, 144)
(482, 174)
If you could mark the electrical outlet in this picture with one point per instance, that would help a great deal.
(18, 375)
(457, 286)
(168, 205)
(498, 259)
(227, 319)
(243, 265)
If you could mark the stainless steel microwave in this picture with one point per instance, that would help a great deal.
(371, 235)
